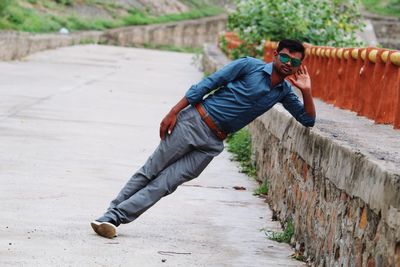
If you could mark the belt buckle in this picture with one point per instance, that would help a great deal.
(220, 134)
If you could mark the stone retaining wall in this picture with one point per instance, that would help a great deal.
(345, 207)
(16, 45)
(190, 33)
(342, 194)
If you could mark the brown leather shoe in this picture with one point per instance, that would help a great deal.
(104, 229)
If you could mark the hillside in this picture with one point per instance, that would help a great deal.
(383, 7)
(52, 15)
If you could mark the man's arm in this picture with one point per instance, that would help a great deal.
(304, 113)
(195, 94)
(226, 74)
(168, 123)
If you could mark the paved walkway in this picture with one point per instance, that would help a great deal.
(75, 123)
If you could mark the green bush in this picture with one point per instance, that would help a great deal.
(16, 15)
(319, 22)
(3, 6)
(34, 23)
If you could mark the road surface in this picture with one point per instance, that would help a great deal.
(75, 123)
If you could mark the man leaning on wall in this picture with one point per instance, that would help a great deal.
(192, 133)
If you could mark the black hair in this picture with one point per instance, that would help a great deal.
(292, 46)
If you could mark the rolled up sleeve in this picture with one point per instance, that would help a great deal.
(292, 103)
(226, 74)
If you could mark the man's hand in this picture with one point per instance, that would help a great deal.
(167, 124)
(301, 79)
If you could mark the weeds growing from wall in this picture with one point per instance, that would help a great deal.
(239, 144)
(262, 190)
(282, 237)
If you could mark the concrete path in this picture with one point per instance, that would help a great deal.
(75, 123)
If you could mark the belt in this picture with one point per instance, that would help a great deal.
(210, 123)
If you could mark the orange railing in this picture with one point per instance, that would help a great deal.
(364, 80)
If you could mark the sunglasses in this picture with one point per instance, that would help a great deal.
(284, 58)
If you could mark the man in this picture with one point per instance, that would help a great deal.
(192, 136)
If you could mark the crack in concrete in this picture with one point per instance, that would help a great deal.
(211, 187)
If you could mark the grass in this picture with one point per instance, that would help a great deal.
(262, 190)
(300, 257)
(20, 17)
(16, 17)
(239, 144)
(139, 18)
(193, 50)
(383, 7)
(283, 237)
(87, 41)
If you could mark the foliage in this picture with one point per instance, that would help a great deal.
(24, 19)
(65, 2)
(173, 48)
(223, 44)
(386, 8)
(29, 20)
(319, 22)
(299, 256)
(137, 17)
(202, 3)
(262, 190)
(283, 237)
(75, 23)
(239, 144)
(3, 6)
(15, 16)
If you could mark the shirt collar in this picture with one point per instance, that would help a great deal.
(268, 68)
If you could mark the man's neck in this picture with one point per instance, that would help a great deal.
(275, 78)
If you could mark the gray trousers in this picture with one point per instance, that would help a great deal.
(180, 157)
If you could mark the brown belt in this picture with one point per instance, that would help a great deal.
(210, 123)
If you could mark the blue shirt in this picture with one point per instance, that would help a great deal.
(242, 92)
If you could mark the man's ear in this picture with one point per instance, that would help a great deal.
(275, 57)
